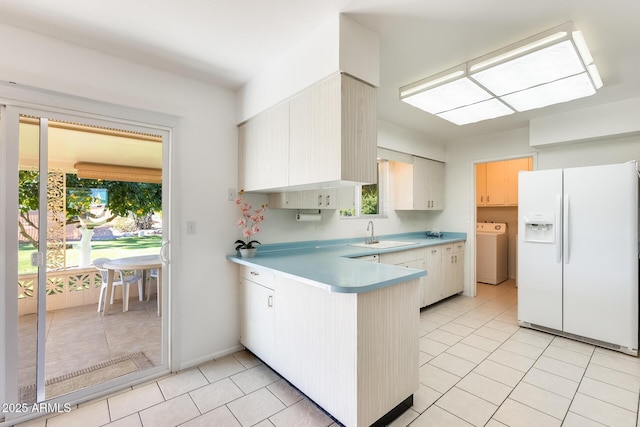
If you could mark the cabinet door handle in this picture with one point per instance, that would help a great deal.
(487, 198)
(270, 301)
(481, 199)
(328, 200)
(255, 273)
(434, 251)
(456, 257)
(320, 200)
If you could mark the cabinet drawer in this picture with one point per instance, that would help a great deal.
(458, 247)
(257, 275)
(402, 257)
(453, 248)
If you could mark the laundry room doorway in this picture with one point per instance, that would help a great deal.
(497, 220)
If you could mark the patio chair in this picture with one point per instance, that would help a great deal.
(119, 279)
(153, 275)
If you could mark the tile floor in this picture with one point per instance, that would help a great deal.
(72, 331)
(477, 368)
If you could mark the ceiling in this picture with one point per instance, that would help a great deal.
(226, 42)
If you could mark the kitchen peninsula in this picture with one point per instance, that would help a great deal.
(342, 330)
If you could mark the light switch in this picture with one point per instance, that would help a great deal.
(191, 227)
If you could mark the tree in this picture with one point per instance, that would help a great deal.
(139, 199)
(28, 192)
(369, 199)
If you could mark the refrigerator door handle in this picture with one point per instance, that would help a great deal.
(565, 230)
(558, 235)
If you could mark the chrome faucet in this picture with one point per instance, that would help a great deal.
(371, 239)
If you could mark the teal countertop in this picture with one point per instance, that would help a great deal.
(330, 264)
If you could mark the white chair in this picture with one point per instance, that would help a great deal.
(153, 275)
(119, 279)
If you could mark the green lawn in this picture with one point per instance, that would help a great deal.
(118, 248)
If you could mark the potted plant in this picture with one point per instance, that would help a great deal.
(248, 222)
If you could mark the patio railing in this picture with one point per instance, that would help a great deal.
(65, 288)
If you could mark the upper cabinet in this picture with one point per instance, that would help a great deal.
(263, 150)
(419, 185)
(497, 182)
(328, 198)
(324, 136)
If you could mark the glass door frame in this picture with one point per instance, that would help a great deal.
(10, 111)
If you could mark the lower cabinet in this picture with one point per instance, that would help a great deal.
(433, 281)
(453, 267)
(258, 313)
(354, 354)
(444, 265)
(412, 258)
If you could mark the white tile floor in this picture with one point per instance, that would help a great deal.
(477, 367)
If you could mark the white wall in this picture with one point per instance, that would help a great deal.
(203, 167)
(601, 152)
(587, 124)
(340, 44)
(397, 138)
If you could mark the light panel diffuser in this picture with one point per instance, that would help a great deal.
(543, 66)
(564, 90)
(448, 96)
(553, 67)
(489, 109)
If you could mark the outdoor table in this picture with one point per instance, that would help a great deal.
(141, 262)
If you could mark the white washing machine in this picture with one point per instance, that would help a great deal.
(491, 252)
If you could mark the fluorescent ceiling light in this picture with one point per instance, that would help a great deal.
(517, 51)
(448, 96)
(489, 109)
(595, 76)
(549, 68)
(425, 84)
(570, 88)
(539, 67)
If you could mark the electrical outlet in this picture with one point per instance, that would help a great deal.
(231, 194)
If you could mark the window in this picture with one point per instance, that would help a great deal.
(370, 200)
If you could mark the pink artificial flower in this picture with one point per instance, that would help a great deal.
(250, 218)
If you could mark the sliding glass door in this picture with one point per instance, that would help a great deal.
(87, 190)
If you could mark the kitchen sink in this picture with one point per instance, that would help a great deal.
(383, 244)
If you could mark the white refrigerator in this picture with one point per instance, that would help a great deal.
(578, 253)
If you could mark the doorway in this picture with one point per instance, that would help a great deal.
(86, 188)
(497, 202)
